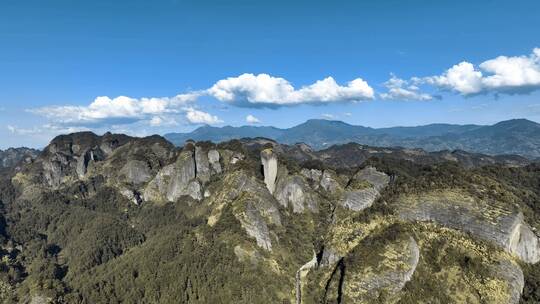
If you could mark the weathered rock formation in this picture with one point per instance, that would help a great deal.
(383, 271)
(174, 181)
(213, 158)
(293, 190)
(490, 221)
(270, 168)
(255, 226)
(512, 274)
(364, 188)
(13, 156)
(203, 164)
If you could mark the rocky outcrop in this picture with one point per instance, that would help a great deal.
(359, 200)
(364, 188)
(523, 242)
(489, 221)
(202, 164)
(175, 180)
(329, 257)
(13, 156)
(132, 196)
(251, 204)
(270, 168)
(293, 190)
(384, 270)
(255, 226)
(377, 179)
(136, 172)
(329, 182)
(313, 175)
(511, 273)
(213, 158)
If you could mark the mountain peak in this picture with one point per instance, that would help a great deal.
(521, 122)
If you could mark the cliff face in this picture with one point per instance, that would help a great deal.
(252, 214)
(13, 156)
(490, 221)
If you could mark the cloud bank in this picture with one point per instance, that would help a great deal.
(263, 90)
(126, 110)
(508, 75)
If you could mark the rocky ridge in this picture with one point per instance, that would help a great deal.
(364, 240)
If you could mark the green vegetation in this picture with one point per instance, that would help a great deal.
(86, 243)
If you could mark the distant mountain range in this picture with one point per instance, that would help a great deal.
(516, 136)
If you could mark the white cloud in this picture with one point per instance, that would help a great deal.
(47, 129)
(161, 121)
(199, 117)
(400, 89)
(119, 110)
(512, 75)
(328, 116)
(263, 90)
(250, 119)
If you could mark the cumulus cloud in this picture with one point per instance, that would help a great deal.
(117, 111)
(511, 75)
(250, 119)
(199, 117)
(400, 89)
(263, 90)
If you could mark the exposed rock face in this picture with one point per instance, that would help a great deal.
(270, 168)
(378, 179)
(394, 267)
(213, 158)
(203, 164)
(295, 191)
(194, 190)
(131, 195)
(244, 255)
(313, 175)
(329, 257)
(174, 181)
(69, 157)
(523, 242)
(512, 274)
(136, 172)
(184, 172)
(359, 200)
(255, 226)
(86, 157)
(489, 221)
(368, 183)
(251, 203)
(38, 299)
(12, 156)
(329, 182)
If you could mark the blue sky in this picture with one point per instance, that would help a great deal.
(168, 57)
